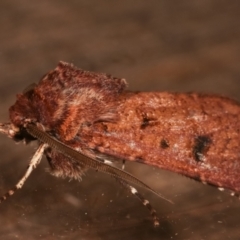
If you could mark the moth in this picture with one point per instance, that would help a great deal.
(88, 120)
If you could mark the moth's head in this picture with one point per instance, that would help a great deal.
(16, 133)
(24, 111)
(67, 98)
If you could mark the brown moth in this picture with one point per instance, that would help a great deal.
(86, 120)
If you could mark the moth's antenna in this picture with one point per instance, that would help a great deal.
(85, 160)
(36, 159)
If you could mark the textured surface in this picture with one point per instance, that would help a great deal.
(192, 134)
(156, 46)
(200, 135)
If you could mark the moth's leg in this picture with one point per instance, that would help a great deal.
(144, 201)
(133, 190)
(33, 164)
(123, 164)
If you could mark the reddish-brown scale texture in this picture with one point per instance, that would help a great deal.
(195, 135)
(66, 98)
(191, 134)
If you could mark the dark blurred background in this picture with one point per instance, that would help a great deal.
(157, 45)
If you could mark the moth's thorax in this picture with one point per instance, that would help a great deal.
(67, 98)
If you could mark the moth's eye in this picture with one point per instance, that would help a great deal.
(29, 88)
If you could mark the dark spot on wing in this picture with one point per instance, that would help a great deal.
(145, 122)
(164, 144)
(148, 121)
(200, 147)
